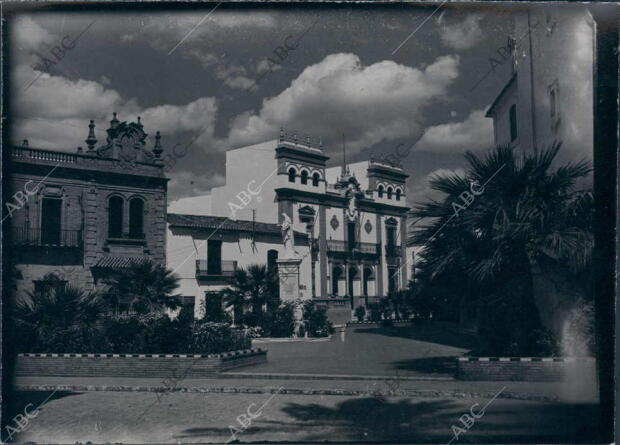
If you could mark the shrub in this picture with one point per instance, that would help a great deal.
(71, 321)
(503, 332)
(124, 334)
(385, 307)
(213, 338)
(253, 332)
(315, 318)
(360, 313)
(375, 312)
(165, 336)
(280, 322)
(213, 308)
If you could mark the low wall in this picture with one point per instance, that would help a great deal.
(528, 369)
(397, 323)
(135, 365)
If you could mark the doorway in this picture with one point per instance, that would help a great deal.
(51, 221)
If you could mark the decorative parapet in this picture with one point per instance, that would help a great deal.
(84, 161)
(305, 142)
(391, 163)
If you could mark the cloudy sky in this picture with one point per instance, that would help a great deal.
(221, 78)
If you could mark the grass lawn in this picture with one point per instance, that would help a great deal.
(111, 417)
(418, 350)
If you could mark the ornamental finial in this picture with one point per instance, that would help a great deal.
(114, 121)
(91, 140)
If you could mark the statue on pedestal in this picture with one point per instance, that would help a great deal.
(288, 238)
(352, 208)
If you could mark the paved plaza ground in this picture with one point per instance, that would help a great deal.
(416, 350)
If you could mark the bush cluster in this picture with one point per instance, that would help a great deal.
(315, 321)
(151, 334)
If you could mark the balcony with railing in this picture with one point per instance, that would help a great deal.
(209, 270)
(28, 237)
(335, 246)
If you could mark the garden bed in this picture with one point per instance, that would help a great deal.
(172, 366)
(527, 369)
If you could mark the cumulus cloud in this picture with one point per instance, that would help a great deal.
(41, 120)
(53, 111)
(462, 35)
(474, 133)
(339, 95)
(30, 36)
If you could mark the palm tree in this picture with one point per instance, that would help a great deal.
(507, 217)
(45, 318)
(144, 288)
(61, 306)
(255, 286)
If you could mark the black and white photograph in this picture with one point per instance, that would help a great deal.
(354, 222)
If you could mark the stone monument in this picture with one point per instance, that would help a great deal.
(288, 271)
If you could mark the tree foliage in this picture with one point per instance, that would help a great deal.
(508, 215)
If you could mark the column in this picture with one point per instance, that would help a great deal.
(323, 251)
(404, 261)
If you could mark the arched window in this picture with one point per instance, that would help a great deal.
(397, 194)
(389, 193)
(115, 217)
(136, 218)
(315, 179)
(291, 174)
(304, 177)
(513, 122)
(380, 191)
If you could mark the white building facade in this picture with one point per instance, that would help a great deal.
(350, 224)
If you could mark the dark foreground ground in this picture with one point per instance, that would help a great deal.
(186, 417)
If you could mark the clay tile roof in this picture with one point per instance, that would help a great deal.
(118, 262)
(224, 223)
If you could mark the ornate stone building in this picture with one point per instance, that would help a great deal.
(81, 214)
(350, 223)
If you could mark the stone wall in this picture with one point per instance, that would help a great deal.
(176, 366)
(530, 369)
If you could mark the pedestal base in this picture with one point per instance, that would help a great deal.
(288, 273)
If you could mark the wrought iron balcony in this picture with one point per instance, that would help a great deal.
(23, 236)
(348, 247)
(210, 270)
